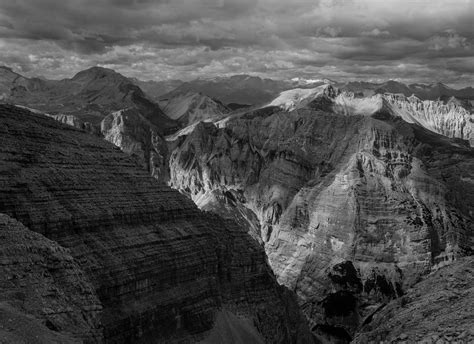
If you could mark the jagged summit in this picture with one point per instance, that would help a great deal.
(448, 118)
(432, 91)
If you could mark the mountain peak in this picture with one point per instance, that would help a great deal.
(96, 72)
(440, 85)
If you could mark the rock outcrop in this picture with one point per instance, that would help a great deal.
(162, 270)
(353, 206)
(449, 119)
(75, 122)
(435, 310)
(137, 136)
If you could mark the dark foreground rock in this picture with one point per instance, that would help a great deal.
(45, 297)
(162, 270)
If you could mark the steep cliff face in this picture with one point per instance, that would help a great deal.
(45, 297)
(449, 119)
(162, 270)
(75, 122)
(137, 136)
(353, 206)
(438, 309)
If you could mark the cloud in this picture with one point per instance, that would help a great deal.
(276, 38)
(376, 32)
(449, 39)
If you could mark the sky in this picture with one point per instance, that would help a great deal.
(374, 40)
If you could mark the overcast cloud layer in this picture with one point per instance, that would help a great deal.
(407, 40)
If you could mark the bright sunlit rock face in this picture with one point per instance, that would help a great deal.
(448, 118)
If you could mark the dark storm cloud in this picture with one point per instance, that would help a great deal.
(280, 38)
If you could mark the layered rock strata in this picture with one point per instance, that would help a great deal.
(353, 207)
(161, 269)
(45, 297)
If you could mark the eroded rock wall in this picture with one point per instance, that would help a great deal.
(138, 137)
(446, 118)
(353, 208)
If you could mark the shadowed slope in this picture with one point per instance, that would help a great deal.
(161, 268)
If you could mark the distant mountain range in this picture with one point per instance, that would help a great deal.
(156, 89)
(90, 95)
(422, 91)
(240, 89)
(237, 90)
(253, 90)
